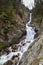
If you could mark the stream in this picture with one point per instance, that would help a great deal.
(28, 40)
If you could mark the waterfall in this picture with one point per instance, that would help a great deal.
(29, 37)
(30, 31)
(30, 19)
(29, 4)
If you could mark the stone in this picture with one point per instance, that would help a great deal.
(34, 54)
(8, 63)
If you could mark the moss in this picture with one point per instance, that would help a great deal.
(2, 45)
(8, 13)
(4, 16)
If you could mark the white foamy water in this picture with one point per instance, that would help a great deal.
(29, 37)
(4, 58)
(28, 3)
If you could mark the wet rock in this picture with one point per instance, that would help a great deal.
(36, 30)
(36, 35)
(14, 48)
(23, 43)
(5, 51)
(15, 60)
(14, 57)
(28, 41)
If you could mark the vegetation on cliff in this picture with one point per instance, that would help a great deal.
(13, 15)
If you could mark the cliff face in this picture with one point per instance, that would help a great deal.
(34, 55)
(39, 7)
(13, 17)
(37, 20)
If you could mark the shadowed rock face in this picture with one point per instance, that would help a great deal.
(38, 8)
(38, 15)
(37, 20)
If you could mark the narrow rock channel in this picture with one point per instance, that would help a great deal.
(27, 41)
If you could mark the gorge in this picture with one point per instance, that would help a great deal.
(29, 47)
(30, 32)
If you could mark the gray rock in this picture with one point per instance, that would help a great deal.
(34, 53)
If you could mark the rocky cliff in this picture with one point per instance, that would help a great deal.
(13, 17)
(37, 20)
(34, 54)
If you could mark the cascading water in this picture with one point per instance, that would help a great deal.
(29, 37)
(30, 31)
(28, 3)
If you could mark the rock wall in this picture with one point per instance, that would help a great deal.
(34, 54)
(13, 17)
(37, 20)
